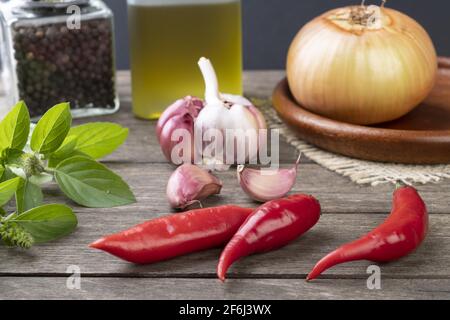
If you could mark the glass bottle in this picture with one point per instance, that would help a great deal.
(167, 38)
(57, 51)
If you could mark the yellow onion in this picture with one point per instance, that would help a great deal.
(362, 65)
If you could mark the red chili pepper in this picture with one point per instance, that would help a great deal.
(402, 233)
(172, 236)
(272, 226)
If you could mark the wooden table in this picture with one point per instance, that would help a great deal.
(349, 211)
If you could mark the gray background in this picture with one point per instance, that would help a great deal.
(270, 25)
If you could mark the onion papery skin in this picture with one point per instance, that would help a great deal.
(362, 76)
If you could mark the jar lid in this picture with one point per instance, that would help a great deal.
(54, 3)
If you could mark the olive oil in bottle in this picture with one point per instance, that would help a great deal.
(167, 39)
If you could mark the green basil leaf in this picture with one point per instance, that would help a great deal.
(52, 129)
(67, 147)
(28, 196)
(12, 156)
(15, 128)
(2, 171)
(7, 175)
(8, 189)
(47, 223)
(66, 151)
(54, 161)
(91, 184)
(2, 212)
(99, 139)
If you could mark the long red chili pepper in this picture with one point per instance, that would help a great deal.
(272, 226)
(403, 231)
(175, 235)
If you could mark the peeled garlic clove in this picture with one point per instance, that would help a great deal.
(266, 184)
(180, 115)
(190, 184)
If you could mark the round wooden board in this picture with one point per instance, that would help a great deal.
(421, 137)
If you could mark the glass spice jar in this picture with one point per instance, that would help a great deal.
(55, 51)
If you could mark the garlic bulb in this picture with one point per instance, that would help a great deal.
(361, 65)
(180, 115)
(189, 185)
(267, 184)
(229, 126)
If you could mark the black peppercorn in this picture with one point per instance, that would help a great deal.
(57, 64)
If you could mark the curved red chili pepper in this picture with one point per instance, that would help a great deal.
(272, 226)
(402, 233)
(172, 236)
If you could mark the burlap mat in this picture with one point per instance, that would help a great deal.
(359, 171)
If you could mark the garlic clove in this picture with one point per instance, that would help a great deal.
(178, 122)
(264, 185)
(262, 124)
(190, 184)
(188, 105)
(240, 100)
(180, 115)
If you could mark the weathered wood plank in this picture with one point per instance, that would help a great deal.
(351, 210)
(207, 289)
(337, 194)
(296, 260)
